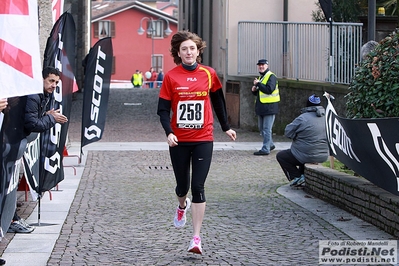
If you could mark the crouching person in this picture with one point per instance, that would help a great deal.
(309, 142)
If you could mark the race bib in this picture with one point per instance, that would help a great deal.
(190, 114)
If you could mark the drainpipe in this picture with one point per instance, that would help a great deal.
(371, 20)
(285, 10)
(88, 25)
(285, 41)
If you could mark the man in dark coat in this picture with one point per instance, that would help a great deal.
(38, 116)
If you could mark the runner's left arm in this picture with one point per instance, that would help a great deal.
(164, 115)
(219, 105)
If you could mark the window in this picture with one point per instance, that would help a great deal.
(157, 62)
(104, 28)
(176, 13)
(158, 29)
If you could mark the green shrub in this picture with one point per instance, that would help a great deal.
(374, 90)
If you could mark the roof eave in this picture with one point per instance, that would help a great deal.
(139, 6)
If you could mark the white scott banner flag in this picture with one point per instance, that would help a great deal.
(19, 49)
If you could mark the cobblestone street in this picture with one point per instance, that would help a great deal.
(122, 213)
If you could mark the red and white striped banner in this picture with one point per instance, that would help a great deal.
(57, 7)
(20, 65)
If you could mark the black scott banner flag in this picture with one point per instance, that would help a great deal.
(98, 66)
(367, 146)
(326, 6)
(31, 161)
(13, 144)
(59, 53)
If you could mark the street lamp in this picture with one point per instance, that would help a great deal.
(151, 30)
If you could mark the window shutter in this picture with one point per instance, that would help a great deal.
(95, 28)
(112, 28)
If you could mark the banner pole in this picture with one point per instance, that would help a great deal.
(38, 211)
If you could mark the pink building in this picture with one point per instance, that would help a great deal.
(122, 20)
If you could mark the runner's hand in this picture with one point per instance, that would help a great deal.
(232, 134)
(172, 140)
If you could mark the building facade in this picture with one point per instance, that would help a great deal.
(216, 21)
(140, 35)
(131, 50)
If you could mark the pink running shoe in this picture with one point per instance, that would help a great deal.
(195, 245)
(180, 216)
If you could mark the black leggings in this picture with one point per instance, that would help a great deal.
(200, 155)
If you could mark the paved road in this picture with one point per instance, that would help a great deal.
(132, 117)
(123, 208)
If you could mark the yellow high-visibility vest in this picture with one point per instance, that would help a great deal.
(137, 79)
(269, 98)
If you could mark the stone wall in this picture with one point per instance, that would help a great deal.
(355, 195)
(45, 24)
(293, 96)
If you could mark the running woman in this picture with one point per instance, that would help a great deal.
(187, 92)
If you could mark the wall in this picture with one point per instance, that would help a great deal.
(260, 10)
(355, 195)
(301, 10)
(216, 21)
(45, 24)
(293, 96)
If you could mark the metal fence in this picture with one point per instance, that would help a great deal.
(301, 50)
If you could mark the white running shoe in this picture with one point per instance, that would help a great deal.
(180, 216)
(20, 227)
(195, 245)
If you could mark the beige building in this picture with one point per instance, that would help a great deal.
(217, 23)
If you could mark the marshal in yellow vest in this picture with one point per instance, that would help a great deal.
(269, 98)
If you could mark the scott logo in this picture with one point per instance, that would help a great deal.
(191, 79)
(94, 131)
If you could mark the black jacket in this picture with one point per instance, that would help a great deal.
(36, 119)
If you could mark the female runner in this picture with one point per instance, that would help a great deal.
(187, 92)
